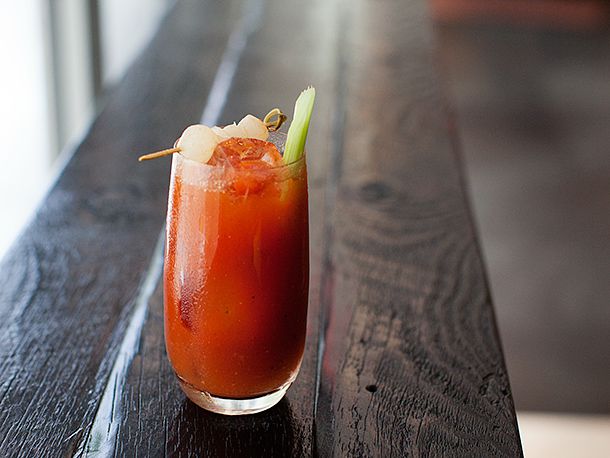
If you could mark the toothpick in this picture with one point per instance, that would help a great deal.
(274, 124)
(155, 155)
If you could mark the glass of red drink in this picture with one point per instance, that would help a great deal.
(236, 277)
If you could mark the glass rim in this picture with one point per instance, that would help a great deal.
(224, 167)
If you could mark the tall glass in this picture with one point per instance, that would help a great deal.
(236, 282)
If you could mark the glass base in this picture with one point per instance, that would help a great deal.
(228, 406)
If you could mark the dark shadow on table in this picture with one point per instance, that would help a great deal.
(196, 432)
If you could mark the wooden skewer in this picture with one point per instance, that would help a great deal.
(155, 155)
(274, 124)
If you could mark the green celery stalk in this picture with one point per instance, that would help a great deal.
(297, 133)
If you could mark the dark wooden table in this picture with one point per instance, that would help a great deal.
(403, 356)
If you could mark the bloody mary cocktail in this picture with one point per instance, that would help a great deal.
(236, 275)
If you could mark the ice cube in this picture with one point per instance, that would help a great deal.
(246, 149)
(272, 157)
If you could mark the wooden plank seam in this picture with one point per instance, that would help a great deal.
(101, 438)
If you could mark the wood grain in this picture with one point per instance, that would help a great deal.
(69, 282)
(413, 364)
(402, 356)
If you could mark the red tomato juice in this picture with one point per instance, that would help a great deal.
(236, 276)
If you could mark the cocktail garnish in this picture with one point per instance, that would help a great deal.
(158, 154)
(197, 142)
(297, 133)
(254, 127)
(274, 119)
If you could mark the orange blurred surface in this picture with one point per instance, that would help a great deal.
(570, 14)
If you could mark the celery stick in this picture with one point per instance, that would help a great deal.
(297, 134)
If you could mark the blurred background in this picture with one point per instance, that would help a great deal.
(529, 84)
(63, 56)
